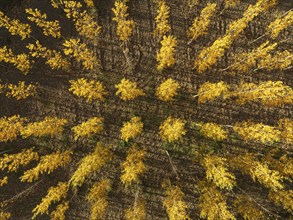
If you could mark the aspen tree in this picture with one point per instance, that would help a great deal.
(20, 61)
(283, 198)
(131, 129)
(12, 162)
(216, 171)
(268, 93)
(50, 28)
(50, 126)
(137, 212)
(21, 90)
(91, 90)
(278, 61)
(213, 204)
(5, 215)
(56, 3)
(3, 182)
(173, 202)
(172, 129)
(167, 90)
(162, 23)
(53, 58)
(246, 208)
(200, 24)
(165, 56)
(212, 131)
(47, 164)
(259, 172)
(210, 55)
(10, 127)
(133, 167)
(128, 90)
(251, 131)
(231, 3)
(88, 128)
(59, 212)
(124, 26)
(74, 48)
(89, 164)
(84, 23)
(97, 197)
(210, 91)
(245, 61)
(15, 27)
(89, 3)
(55, 194)
(2, 87)
(278, 25)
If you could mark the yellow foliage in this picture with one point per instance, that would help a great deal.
(97, 196)
(2, 87)
(47, 164)
(269, 178)
(21, 90)
(246, 208)
(162, 24)
(50, 126)
(3, 182)
(131, 129)
(59, 212)
(53, 58)
(213, 205)
(55, 194)
(84, 23)
(280, 61)
(20, 61)
(50, 28)
(165, 57)
(286, 127)
(210, 55)
(247, 60)
(12, 162)
(172, 129)
(173, 202)
(5, 215)
(200, 24)
(90, 89)
(91, 163)
(137, 212)
(89, 3)
(78, 50)
(212, 131)
(275, 27)
(260, 172)
(284, 198)
(124, 27)
(133, 166)
(88, 128)
(251, 131)
(216, 171)
(167, 90)
(15, 27)
(210, 91)
(10, 127)
(231, 3)
(269, 93)
(128, 90)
